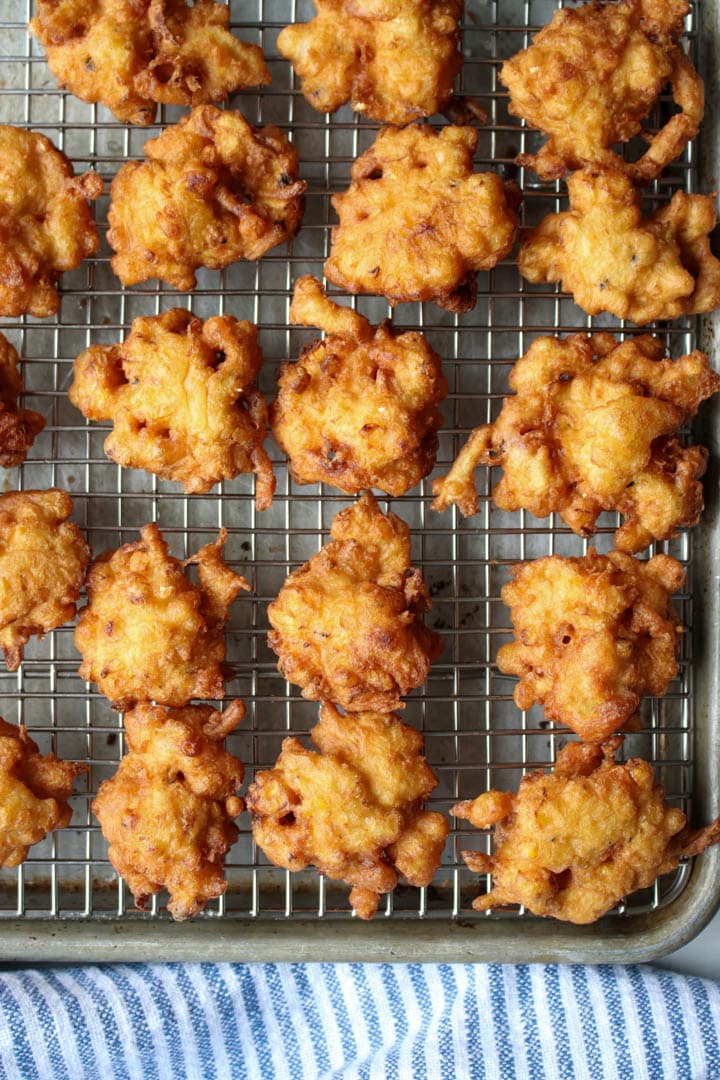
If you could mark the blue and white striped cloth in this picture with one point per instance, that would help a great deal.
(337, 1021)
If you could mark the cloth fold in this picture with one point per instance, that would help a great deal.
(342, 1021)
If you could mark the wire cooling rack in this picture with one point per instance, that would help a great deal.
(475, 737)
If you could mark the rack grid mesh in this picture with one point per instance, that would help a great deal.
(475, 736)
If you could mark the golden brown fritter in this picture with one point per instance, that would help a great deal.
(18, 427)
(148, 633)
(612, 259)
(347, 625)
(167, 812)
(575, 841)
(593, 426)
(34, 793)
(593, 635)
(394, 60)
(45, 222)
(593, 74)
(359, 409)
(183, 400)
(211, 191)
(353, 810)
(417, 223)
(131, 54)
(43, 558)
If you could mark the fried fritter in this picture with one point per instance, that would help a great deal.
(575, 841)
(347, 625)
(593, 635)
(612, 259)
(593, 426)
(183, 400)
(18, 427)
(45, 222)
(43, 558)
(417, 223)
(395, 60)
(34, 793)
(211, 191)
(593, 74)
(167, 812)
(354, 809)
(148, 633)
(131, 54)
(359, 409)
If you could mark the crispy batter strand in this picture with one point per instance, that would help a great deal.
(575, 841)
(183, 400)
(417, 223)
(34, 793)
(593, 74)
(347, 625)
(131, 54)
(593, 426)
(18, 427)
(212, 190)
(167, 812)
(43, 558)
(359, 409)
(45, 222)
(612, 259)
(353, 810)
(395, 60)
(148, 633)
(593, 635)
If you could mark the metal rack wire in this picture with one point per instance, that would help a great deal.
(475, 737)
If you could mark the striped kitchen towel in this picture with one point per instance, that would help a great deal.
(414, 1022)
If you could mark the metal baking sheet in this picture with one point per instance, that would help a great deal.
(66, 902)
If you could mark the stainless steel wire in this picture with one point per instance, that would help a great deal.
(475, 737)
